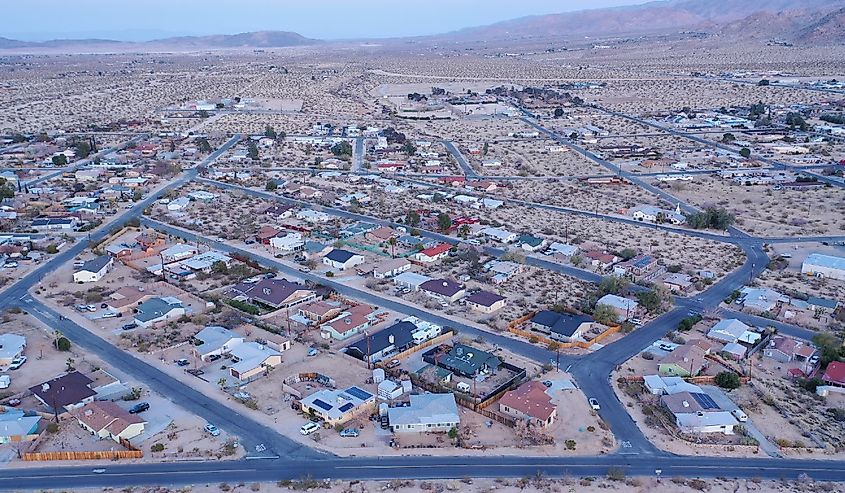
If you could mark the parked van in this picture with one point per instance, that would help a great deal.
(309, 428)
(740, 415)
(5, 381)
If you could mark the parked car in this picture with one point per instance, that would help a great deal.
(14, 402)
(213, 430)
(548, 383)
(312, 351)
(129, 326)
(91, 308)
(182, 362)
(112, 314)
(139, 407)
(17, 362)
(594, 404)
(214, 357)
(740, 415)
(309, 428)
(349, 433)
(394, 363)
(385, 422)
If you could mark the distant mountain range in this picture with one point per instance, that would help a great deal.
(798, 21)
(259, 39)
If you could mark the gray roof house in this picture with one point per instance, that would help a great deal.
(427, 413)
(158, 309)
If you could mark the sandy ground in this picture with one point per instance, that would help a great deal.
(525, 485)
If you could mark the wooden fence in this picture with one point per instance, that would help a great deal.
(97, 455)
(565, 345)
(505, 420)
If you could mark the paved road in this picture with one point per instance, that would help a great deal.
(429, 468)
(358, 155)
(467, 168)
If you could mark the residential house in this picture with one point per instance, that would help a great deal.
(215, 341)
(678, 283)
(250, 359)
(601, 260)
(485, 301)
(698, 413)
(499, 234)
(348, 323)
(761, 300)
(55, 223)
(204, 262)
(266, 233)
(11, 347)
(639, 268)
(338, 406)
(531, 243)
(732, 330)
(377, 346)
(179, 204)
(652, 214)
(564, 249)
(427, 413)
(391, 268)
(443, 289)
(564, 327)
(290, 242)
(529, 402)
(342, 259)
(65, 393)
(275, 293)
(180, 251)
(16, 426)
(625, 308)
(157, 310)
(658, 385)
(317, 312)
(279, 211)
(465, 360)
(685, 361)
(433, 254)
(786, 350)
(125, 299)
(149, 239)
(835, 374)
(410, 280)
(503, 270)
(381, 234)
(820, 265)
(105, 419)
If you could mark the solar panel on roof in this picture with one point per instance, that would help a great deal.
(346, 407)
(358, 393)
(705, 401)
(322, 405)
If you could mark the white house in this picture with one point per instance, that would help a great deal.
(624, 307)
(94, 270)
(180, 251)
(291, 242)
(391, 268)
(499, 234)
(343, 259)
(178, 204)
(652, 214)
(216, 341)
(427, 413)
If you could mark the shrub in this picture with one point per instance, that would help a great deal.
(728, 380)
(157, 447)
(52, 427)
(616, 474)
(570, 444)
(63, 344)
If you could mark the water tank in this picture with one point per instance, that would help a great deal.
(378, 375)
(382, 409)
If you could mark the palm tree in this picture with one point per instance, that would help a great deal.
(392, 242)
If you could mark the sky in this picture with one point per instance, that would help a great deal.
(141, 20)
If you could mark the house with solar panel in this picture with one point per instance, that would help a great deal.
(697, 412)
(338, 406)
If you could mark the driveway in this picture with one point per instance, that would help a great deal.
(727, 404)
